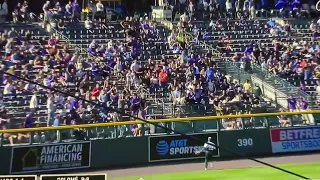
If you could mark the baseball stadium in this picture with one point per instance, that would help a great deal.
(159, 90)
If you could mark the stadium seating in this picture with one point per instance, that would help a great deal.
(160, 102)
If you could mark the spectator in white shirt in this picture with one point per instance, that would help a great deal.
(8, 88)
(318, 91)
(211, 24)
(51, 111)
(34, 102)
(88, 23)
(129, 79)
(45, 9)
(100, 7)
(3, 11)
(191, 9)
(237, 8)
(68, 8)
(252, 10)
(134, 66)
(177, 96)
(184, 18)
(313, 26)
(229, 7)
(8, 46)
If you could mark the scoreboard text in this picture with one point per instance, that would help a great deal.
(18, 177)
(56, 177)
(74, 177)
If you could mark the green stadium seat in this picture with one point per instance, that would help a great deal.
(183, 127)
(273, 121)
(199, 126)
(316, 118)
(259, 122)
(161, 130)
(211, 124)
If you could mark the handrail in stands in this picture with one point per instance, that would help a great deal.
(206, 46)
(59, 33)
(78, 48)
(140, 89)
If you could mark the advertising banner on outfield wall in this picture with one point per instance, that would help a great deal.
(177, 147)
(295, 139)
(50, 157)
(248, 142)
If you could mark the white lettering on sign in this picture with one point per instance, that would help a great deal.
(245, 142)
(84, 178)
(301, 145)
(61, 153)
(180, 146)
(299, 134)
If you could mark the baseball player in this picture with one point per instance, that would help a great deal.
(208, 148)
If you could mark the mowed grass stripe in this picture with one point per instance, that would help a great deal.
(310, 170)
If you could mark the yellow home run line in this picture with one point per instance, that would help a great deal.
(202, 118)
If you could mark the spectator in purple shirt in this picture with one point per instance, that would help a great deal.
(303, 104)
(134, 103)
(303, 87)
(73, 103)
(75, 10)
(134, 129)
(292, 102)
(307, 118)
(210, 73)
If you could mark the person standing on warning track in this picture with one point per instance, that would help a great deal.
(208, 148)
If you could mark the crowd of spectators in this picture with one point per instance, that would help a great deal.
(186, 76)
(291, 55)
(215, 9)
(54, 64)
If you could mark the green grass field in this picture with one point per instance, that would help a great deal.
(310, 170)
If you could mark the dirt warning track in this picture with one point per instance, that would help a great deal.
(159, 169)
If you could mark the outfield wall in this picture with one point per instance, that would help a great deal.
(132, 151)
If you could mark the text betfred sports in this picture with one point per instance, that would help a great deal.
(298, 134)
